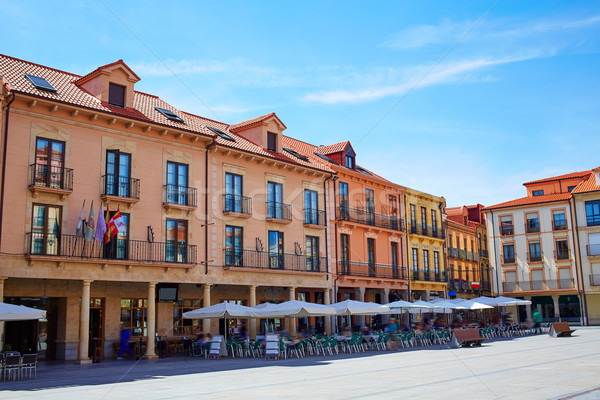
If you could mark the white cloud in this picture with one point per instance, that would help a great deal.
(421, 35)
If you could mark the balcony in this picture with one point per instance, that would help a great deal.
(562, 255)
(559, 225)
(119, 250)
(532, 226)
(383, 271)
(531, 286)
(236, 205)
(462, 254)
(593, 250)
(483, 254)
(253, 259)
(428, 276)
(367, 217)
(314, 218)
(179, 197)
(453, 252)
(50, 179)
(594, 280)
(507, 229)
(535, 257)
(279, 212)
(120, 188)
(509, 260)
(426, 230)
(509, 286)
(470, 256)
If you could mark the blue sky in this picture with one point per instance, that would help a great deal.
(464, 99)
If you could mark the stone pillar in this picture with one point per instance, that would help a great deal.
(206, 303)
(151, 322)
(327, 301)
(556, 307)
(2, 279)
(385, 318)
(360, 296)
(528, 307)
(84, 324)
(292, 324)
(252, 303)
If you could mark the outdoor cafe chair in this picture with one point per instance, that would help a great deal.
(29, 365)
(12, 367)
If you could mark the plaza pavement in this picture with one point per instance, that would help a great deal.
(532, 367)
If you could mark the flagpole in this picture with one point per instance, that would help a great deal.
(80, 221)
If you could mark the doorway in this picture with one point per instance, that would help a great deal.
(96, 339)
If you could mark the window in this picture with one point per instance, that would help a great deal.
(413, 219)
(271, 142)
(535, 251)
(508, 251)
(40, 83)
(170, 115)
(434, 222)
(538, 192)
(394, 254)
(296, 154)
(393, 212)
(415, 259)
(133, 316)
(506, 225)
(45, 229)
(274, 200)
(221, 134)
(562, 249)
(118, 246)
(116, 95)
(349, 161)
(565, 279)
(344, 253)
(49, 163)
(510, 281)
(275, 249)
(312, 253)
(424, 220)
(176, 246)
(370, 203)
(233, 193)
(559, 221)
(177, 182)
(426, 262)
(182, 326)
(311, 207)
(592, 212)
(533, 223)
(436, 262)
(344, 201)
(472, 246)
(371, 256)
(570, 188)
(118, 168)
(233, 245)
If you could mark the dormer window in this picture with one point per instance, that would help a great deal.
(538, 192)
(116, 95)
(349, 161)
(271, 142)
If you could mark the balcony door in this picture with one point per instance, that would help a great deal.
(233, 245)
(394, 253)
(371, 256)
(45, 229)
(345, 253)
(176, 246)
(275, 249)
(344, 201)
(177, 183)
(312, 253)
(49, 163)
(370, 206)
(311, 207)
(275, 200)
(233, 193)
(118, 246)
(118, 173)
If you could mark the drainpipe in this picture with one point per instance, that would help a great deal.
(208, 148)
(4, 150)
(495, 254)
(578, 263)
(326, 229)
(408, 253)
(335, 225)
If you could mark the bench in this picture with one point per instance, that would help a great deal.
(559, 329)
(466, 338)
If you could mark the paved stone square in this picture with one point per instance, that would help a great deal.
(534, 367)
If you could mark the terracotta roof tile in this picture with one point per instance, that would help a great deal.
(588, 185)
(332, 148)
(529, 200)
(252, 121)
(571, 175)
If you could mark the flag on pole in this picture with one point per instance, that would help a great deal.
(79, 228)
(117, 221)
(101, 228)
(91, 224)
(108, 234)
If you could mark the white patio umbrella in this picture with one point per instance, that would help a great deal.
(221, 310)
(403, 304)
(446, 306)
(11, 312)
(423, 306)
(471, 305)
(501, 301)
(354, 307)
(294, 308)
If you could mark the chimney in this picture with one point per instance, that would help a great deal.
(596, 172)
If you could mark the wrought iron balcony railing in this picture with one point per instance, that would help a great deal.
(507, 229)
(71, 246)
(535, 256)
(385, 271)
(120, 186)
(430, 275)
(279, 211)
(549, 284)
(559, 225)
(265, 260)
(483, 253)
(367, 217)
(562, 255)
(48, 176)
(509, 260)
(453, 252)
(180, 195)
(313, 216)
(532, 226)
(237, 204)
(594, 280)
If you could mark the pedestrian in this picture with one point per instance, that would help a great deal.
(124, 342)
(393, 331)
(537, 321)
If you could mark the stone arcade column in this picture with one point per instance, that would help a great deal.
(206, 303)
(2, 279)
(385, 298)
(528, 307)
(252, 303)
(84, 324)
(556, 307)
(327, 301)
(292, 324)
(360, 296)
(151, 322)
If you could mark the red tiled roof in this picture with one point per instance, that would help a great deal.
(588, 185)
(12, 70)
(571, 175)
(332, 148)
(94, 72)
(451, 211)
(253, 121)
(529, 200)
